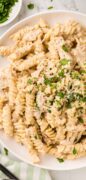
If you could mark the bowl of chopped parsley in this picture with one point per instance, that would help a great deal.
(9, 9)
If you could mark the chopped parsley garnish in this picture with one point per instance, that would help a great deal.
(65, 48)
(80, 97)
(64, 61)
(83, 71)
(58, 103)
(30, 6)
(70, 99)
(51, 102)
(5, 9)
(60, 160)
(84, 99)
(60, 94)
(29, 81)
(6, 151)
(53, 86)
(68, 104)
(80, 120)
(50, 7)
(75, 75)
(49, 110)
(74, 151)
(61, 73)
(49, 81)
(54, 79)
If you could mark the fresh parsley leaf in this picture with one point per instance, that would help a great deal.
(84, 99)
(64, 61)
(80, 120)
(30, 6)
(70, 99)
(49, 81)
(60, 94)
(60, 160)
(79, 96)
(74, 151)
(49, 110)
(75, 75)
(58, 103)
(68, 104)
(65, 48)
(83, 71)
(53, 86)
(50, 7)
(6, 151)
(29, 81)
(1, 8)
(61, 73)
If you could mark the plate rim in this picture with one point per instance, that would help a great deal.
(1, 37)
(20, 158)
(41, 13)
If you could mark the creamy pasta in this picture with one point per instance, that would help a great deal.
(43, 95)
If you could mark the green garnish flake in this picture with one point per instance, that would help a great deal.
(70, 99)
(64, 61)
(83, 71)
(80, 97)
(29, 81)
(80, 119)
(60, 160)
(68, 105)
(65, 48)
(53, 86)
(60, 94)
(61, 73)
(84, 99)
(5, 9)
(75, 75)
(6, 151)
(74, 151)
(50, 7)
(49, 110)
(58, 103)
(30, 6)
(49, 81)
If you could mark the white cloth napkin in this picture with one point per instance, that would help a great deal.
(21, 170)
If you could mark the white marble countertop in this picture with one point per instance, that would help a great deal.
(41, 5)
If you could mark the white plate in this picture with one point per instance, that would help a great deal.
(18, 150)
(14, 13)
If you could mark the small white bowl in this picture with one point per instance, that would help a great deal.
(14, 13)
